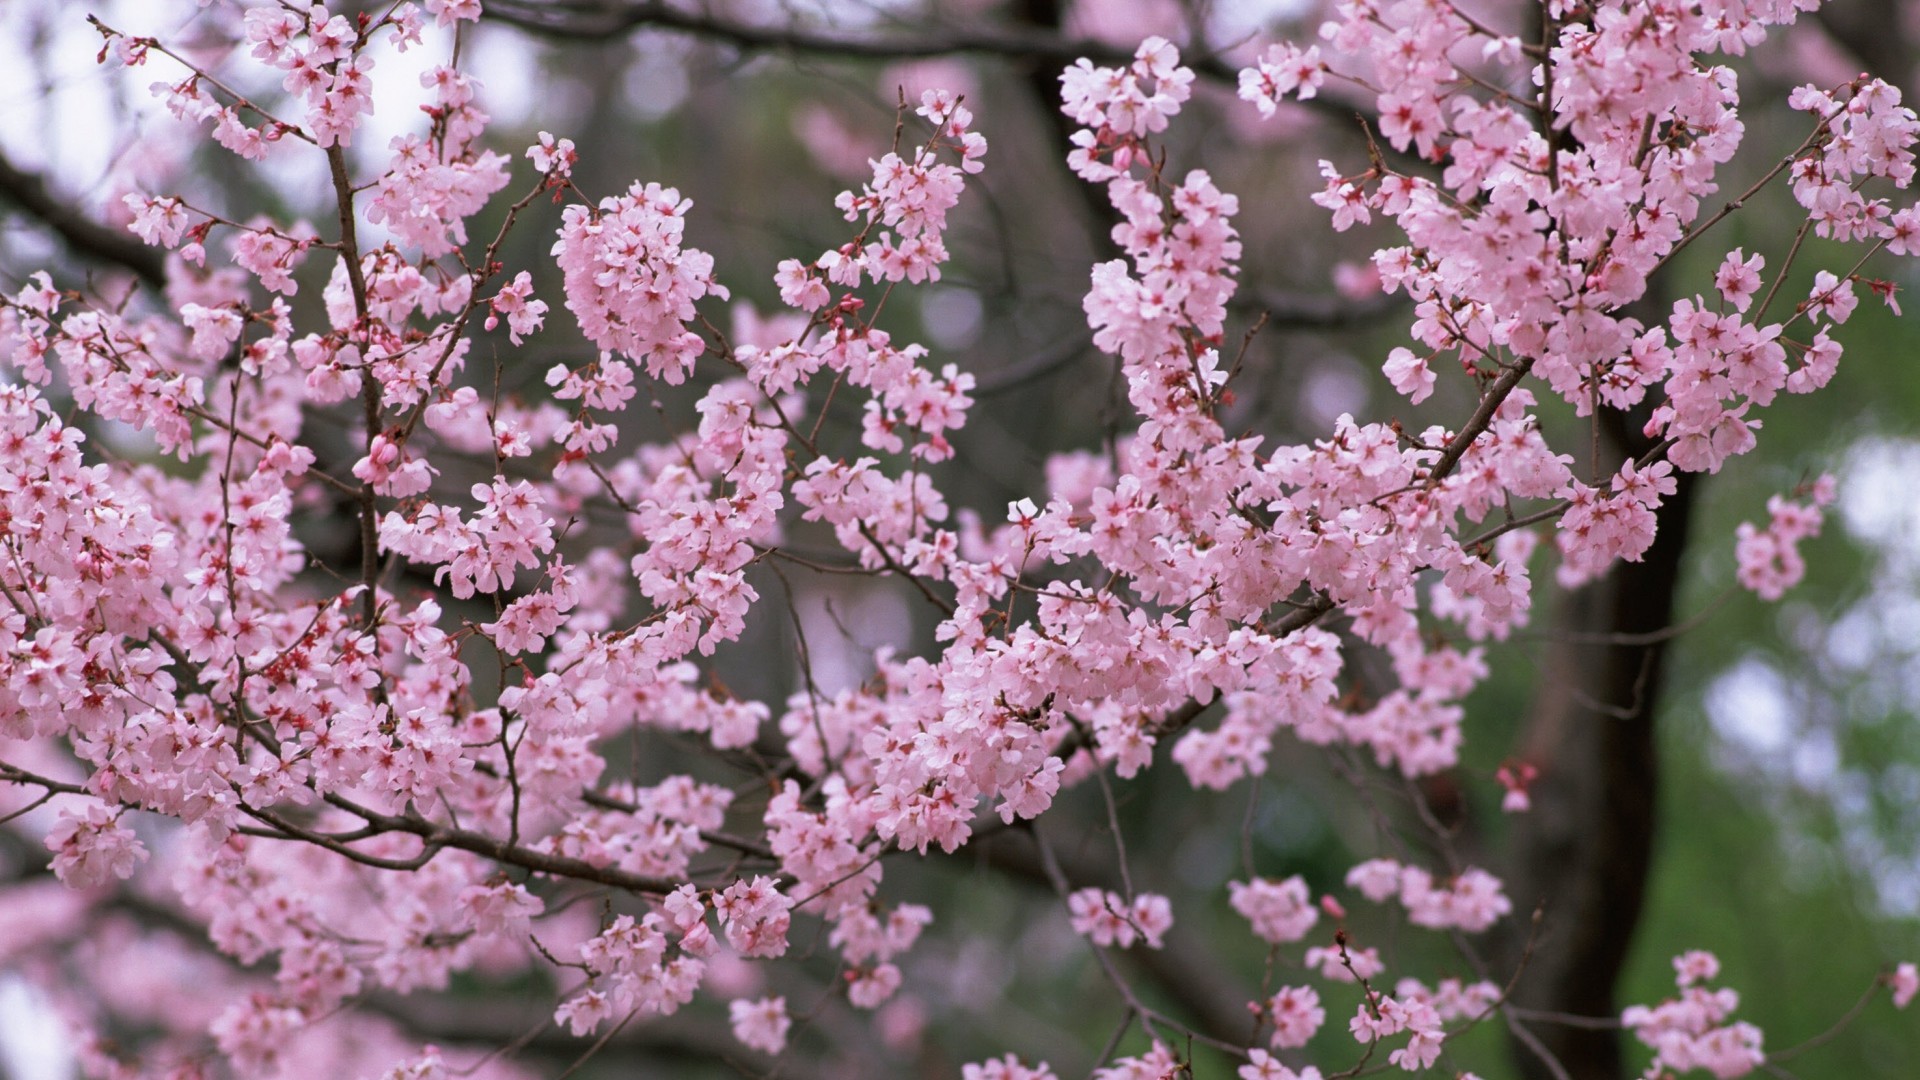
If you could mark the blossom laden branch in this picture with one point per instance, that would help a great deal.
(84, 235)
(451, 748)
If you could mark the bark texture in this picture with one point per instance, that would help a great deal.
(1583, 854)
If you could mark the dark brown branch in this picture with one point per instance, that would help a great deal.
(1137, 1010)
(1289, 310)
(562, 866)
(1216, 1002)
(370, 390)
(1490, 403)
(584, 21)
(83, 235)
(647, 1048)
(577, 21)
(524, 1028)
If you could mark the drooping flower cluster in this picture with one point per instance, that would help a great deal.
(93, 848)
(1117, 108)
(1280, 911)
(1295, 1014)
(1106, 918)
(1693, 1031)
(761, 1024)
(1769, 558)
(631, 283)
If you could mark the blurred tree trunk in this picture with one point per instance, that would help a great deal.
(1874, 32)
(1583, 853)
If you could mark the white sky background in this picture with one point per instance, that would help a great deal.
(95, 127)
(32, 1046)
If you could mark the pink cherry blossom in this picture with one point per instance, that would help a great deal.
(1107, 919)
(1906, 983)
(1007, 1067)
(92, 848)
(761, 1024)
(1280, 911)
(398, 628)
(1295, 1014)
(1264, 1066)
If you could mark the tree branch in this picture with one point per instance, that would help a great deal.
(1289, 310)
(585, 21)
(1586, 850)
(1206, 991)
(83, 235)
(574, 20)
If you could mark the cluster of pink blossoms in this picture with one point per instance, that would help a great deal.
(1295, 1014)
(1106, 918)
(631, 284)
(1280, 911)
(1471, 901)
(1692, 1031)
(322, 746)
(761, 1024)
(1769, 557)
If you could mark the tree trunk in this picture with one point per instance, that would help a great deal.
(1583, 853)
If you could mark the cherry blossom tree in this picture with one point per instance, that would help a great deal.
(484, 741)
